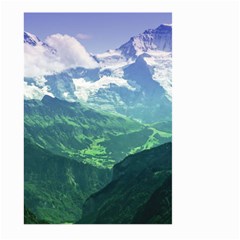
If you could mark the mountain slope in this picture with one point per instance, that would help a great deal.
(158, 209)
(136, 180)
(55, 187)
(30, 218)
(84, 134)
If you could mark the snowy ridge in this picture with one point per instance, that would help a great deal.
(160, 64)
(103, 77)
(85, 89)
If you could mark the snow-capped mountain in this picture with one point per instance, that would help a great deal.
(152, 39)
(32, 40)
(134, 79)
(155, 48)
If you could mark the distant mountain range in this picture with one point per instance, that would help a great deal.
(134, 79)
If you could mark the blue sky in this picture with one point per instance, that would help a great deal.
(98, 32)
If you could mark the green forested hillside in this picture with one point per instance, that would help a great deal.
(55, 187)
(158, 209)
(69, 154)
(30, 218)
(140, 183)
(84, 134)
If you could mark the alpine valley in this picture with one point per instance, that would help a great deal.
(97, 133)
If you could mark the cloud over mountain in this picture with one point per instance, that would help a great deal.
(57, 53)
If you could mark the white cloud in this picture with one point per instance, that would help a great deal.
(39, 60)
(70, 51)
(82, 36)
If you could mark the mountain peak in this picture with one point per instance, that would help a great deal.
(47, 98)
(152, 39)
(31, 39)
(161, 29)
(56, 102)
(164, 25)
(34, 41)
